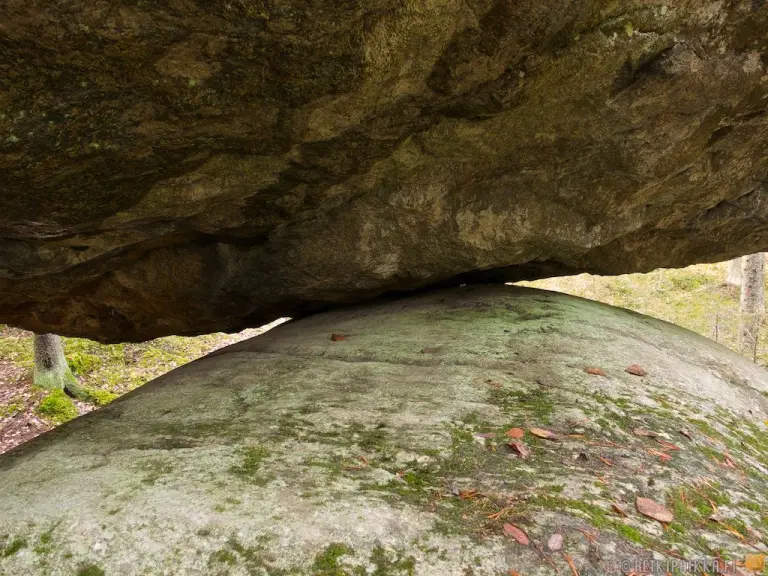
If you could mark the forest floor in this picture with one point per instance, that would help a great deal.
(695, 298)
(108, 370)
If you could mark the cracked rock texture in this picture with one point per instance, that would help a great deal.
(385, 453)
(180, 167)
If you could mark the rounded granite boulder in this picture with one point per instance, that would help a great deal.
(486, 430)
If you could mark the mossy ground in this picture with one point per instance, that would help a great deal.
(104, 372)
(57, 407)
(695, 298)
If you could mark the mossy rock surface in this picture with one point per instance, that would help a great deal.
(384, 452)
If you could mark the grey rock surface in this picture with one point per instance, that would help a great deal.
(386, 453)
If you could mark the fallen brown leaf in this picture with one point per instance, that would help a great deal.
(338, 337)
(606, 461)
(514, 573)
(430, 350)
(727, 527)
(517, 534)
(589, 536)
(571, 564)
(635, 370)
(687, 434)
(500, 513)
(515, 432)
(651, 509)
(541, 433)
(663, 456)
(645, 433)
(619, 510)
(519, 448)
(574, 423)
(735, 532)
(667, 445)
(555, 542)
(594, 371)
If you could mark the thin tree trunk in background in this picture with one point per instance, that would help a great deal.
(734, 272)
(51, 369)
(752, 301)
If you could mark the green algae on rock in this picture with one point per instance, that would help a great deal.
(293, 454)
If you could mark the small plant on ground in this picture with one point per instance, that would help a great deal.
(57, 407)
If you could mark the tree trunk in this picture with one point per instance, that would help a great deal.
(51, 369)
(734, 272)
(752, 301)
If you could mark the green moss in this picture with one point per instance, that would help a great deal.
(708, 430)
(100, 397)
(596, 515)
(54, 380)
(421, 481)
(14, 546)
(17, 350)
(753, 506)
(82, 362)
(327, 562)
(754, 438)
(11, 409)
(254, 559)
(389, 563)
(44, 542)
(57, 407)
(90, 570)
(630, 533)
(332, 465)
(156, 468)
(688, 282)
(250, 464)
(535, 404)
(369, 439)
(692, 506)
(223, 556)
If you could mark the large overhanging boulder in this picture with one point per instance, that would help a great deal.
(412, 442)
(184, 167)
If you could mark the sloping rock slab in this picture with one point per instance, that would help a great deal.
(383, 450)
(180, 167)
